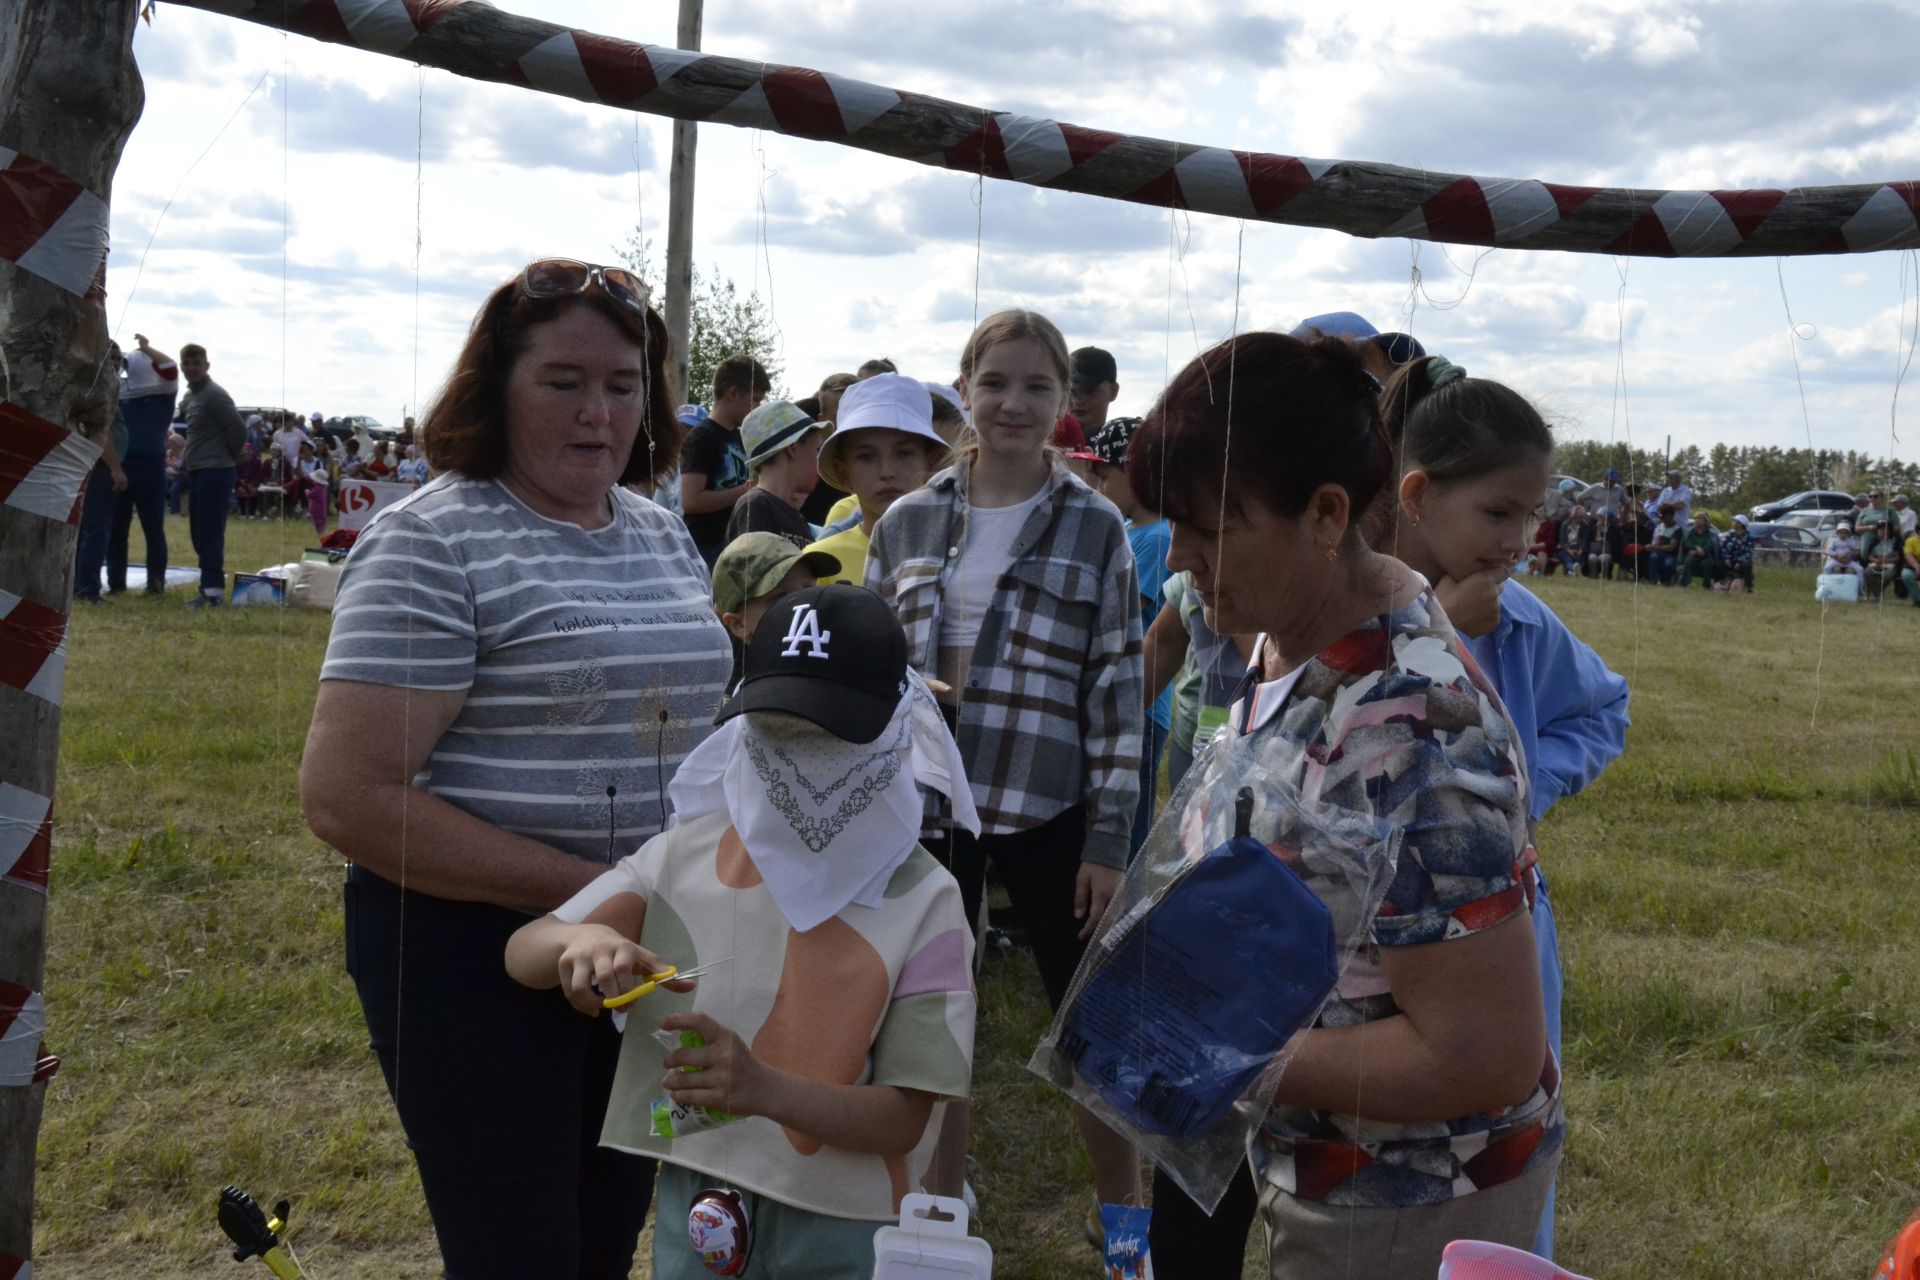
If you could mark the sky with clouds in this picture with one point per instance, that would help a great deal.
(289, 247)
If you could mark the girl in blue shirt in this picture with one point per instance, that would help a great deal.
(1474, 458)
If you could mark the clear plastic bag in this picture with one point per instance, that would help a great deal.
(1231, 929)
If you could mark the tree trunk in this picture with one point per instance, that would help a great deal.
(69, 96)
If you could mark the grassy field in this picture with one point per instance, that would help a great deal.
(1737, 902)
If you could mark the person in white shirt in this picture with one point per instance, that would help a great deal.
(1676, 495)
(288, 438)
(1905, 514)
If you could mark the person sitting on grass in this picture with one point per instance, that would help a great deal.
(413, 468)
(1910, 568)
(810, 1070)
(1736, 556)
(883, 447)
(1879, 554)
(1664, 551)
(1699, 553)
(783, 458)
(249, 474)
(1576, 538)
(1843, 552)
(1541, 556)
(1601, 538)
(754, 571)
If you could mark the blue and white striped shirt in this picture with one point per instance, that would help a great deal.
(592, 661)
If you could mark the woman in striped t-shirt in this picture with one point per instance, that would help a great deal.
(522, 653)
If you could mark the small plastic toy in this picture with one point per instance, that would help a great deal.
(721, 1234)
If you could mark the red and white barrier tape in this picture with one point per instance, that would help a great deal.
(23, 1021)
(42, 466)
(26, 837)
(52, 226)
(33, 647)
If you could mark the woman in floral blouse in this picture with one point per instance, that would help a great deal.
(1424, 1104)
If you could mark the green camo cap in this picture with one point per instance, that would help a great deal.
(772, 427)
(754, 563)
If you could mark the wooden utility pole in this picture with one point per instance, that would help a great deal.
(680, 220)
(69, 96)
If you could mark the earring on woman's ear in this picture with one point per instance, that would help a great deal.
(1333, 552)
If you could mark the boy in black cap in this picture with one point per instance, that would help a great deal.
(1094, 386)
(805, 1074)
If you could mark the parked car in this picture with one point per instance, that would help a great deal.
(1793, 543)
(1821, 523)
(1805, 500)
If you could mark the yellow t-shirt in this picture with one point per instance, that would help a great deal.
(842, 509)
(849, 547)
(1912, 547)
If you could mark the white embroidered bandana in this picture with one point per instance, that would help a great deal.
(826, 821)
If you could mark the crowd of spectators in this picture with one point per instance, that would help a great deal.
(1606, 530)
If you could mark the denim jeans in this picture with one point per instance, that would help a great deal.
(211, 490)
(96, 528)
(146, 497)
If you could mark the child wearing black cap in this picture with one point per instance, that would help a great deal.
(806, 1073)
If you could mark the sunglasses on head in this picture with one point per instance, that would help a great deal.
(566, 278)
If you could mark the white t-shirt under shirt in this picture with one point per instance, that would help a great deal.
(876, 995)
(975, 576)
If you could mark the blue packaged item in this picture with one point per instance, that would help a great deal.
(1195, 997)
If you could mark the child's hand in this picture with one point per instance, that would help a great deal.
(1091, 893)
(725, 1074)
(1472, 603)
(600, 963)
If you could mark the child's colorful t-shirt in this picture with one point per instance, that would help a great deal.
(876, 995)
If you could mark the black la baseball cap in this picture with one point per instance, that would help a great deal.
(834, 655)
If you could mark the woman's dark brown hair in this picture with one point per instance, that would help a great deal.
(1262, 418)
(465, 428)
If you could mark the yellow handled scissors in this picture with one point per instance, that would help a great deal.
(668, 974)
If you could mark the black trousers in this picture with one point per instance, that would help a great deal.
(501, 1090)
(146, 497)
(1039, 867)
(1185, 1242)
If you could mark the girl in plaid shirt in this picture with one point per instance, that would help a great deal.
(1015, 585)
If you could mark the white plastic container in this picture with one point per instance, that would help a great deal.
(923, 1247)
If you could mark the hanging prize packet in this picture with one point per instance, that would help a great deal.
(1219, 948)
(1125, 1231)
(1186, 1002)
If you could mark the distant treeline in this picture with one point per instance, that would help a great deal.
(1731, 478)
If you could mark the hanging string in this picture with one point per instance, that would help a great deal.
(1620, 424)
(979, 216)
(1794, 338)
(140, 270)
(773, 321)
(419, 224)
